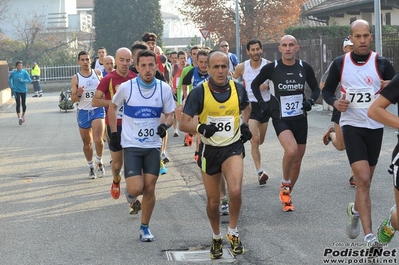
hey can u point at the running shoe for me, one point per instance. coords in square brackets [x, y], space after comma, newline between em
[236, 245]
[23, 118]
[385, 231]
[20, 121]
[135, 207]
[100, 170]
[224, 207]
[262, 178]
[92, 174]
[352, 181]
[40, 93]
[188, 140]
[285, 193]
[288, 207]
[35, 95]
[217, 248]
[371, 242]
[326, 136]
[164, 158]
[145, 234]
[353, 227]
[162, 169]
[116, 188]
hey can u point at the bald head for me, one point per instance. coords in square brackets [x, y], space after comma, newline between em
[288, 38]
[109, 63]
[217, 53]
[123, 60]
[360, 23]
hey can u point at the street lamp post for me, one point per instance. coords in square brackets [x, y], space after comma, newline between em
[238, 46]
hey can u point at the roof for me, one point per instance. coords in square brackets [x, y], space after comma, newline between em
[329, 7]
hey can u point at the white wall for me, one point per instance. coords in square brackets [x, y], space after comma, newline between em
[346, 19]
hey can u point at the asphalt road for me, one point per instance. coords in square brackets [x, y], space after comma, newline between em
[51, 213]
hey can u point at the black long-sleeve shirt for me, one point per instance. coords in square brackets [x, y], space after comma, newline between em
[287, 79]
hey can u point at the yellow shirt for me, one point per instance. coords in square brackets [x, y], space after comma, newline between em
[225, 115]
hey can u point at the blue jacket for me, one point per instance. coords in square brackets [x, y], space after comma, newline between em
[19, 85]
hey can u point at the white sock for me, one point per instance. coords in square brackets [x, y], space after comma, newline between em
[260, 171]
[99, 160]
[217, 236]
[90, 163]
[233, 231]
[368, 236]
[353, 210]
[286, 181]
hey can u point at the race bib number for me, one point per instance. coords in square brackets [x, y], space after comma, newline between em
[224, 124]
[145, 131]
[291, 105]
[120, 112]
[360, 98]
[89, 94]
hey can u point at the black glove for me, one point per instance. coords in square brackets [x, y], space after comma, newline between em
[307, 104]
[264, 106]
[207, 130]
[115, 141]
[161, 131]
[245, 132]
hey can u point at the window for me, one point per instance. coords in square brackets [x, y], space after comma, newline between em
[388, 18]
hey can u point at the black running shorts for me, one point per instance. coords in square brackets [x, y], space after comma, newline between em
[362, 143]
[141, 160]
[336, 115]
[211, 158]
[298, 127]
[257, 114]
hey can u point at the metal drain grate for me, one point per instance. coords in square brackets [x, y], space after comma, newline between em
[198, 256]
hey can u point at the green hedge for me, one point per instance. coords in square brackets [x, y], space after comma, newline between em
[308, 32]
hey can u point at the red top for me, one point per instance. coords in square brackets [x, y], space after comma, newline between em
[109, 84]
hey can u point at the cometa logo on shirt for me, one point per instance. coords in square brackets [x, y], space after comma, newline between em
[290, 87]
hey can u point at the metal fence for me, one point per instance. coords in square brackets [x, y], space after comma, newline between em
[56, 72]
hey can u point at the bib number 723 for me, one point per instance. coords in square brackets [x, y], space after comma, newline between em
[360, 97]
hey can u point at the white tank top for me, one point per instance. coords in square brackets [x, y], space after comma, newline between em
[249, 75]
[361, 84]
[99, 66]
[90, 84]
[142, 113]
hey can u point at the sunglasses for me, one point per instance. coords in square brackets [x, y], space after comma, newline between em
[223, 46]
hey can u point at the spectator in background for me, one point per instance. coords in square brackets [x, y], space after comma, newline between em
[18, 80]
[35, 76]
[233, 60]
